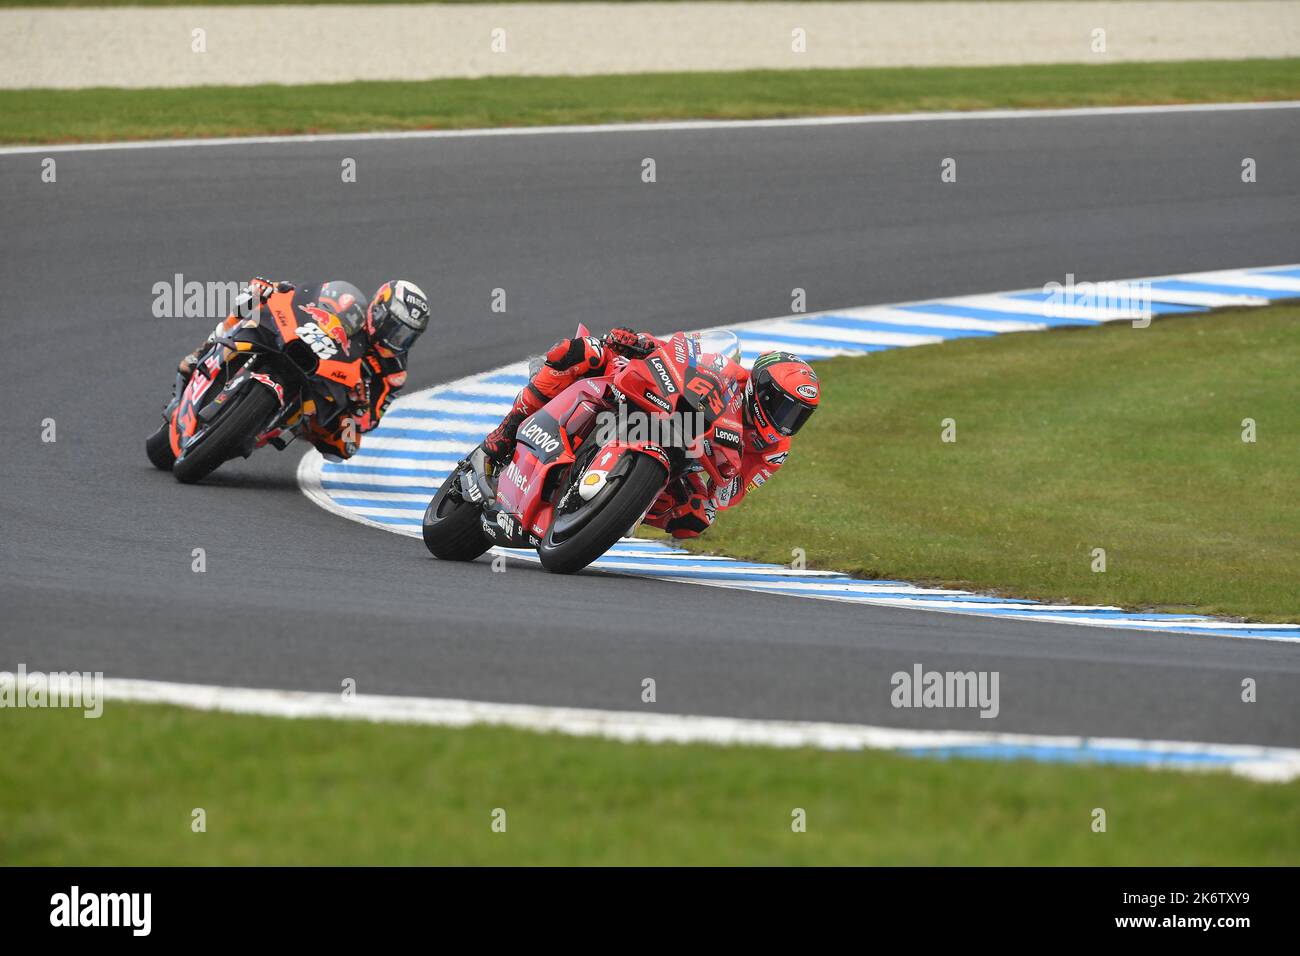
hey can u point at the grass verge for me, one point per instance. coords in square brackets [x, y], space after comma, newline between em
[1111, 437]
[121, 790]
[96, 115]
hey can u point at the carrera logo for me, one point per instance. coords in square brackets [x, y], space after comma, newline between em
[807, 391]
[540, 438]
[665, 379]
[657, 402]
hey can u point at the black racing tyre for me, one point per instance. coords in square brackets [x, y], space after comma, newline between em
[636, 492]
[158, 447]
[452, 530]
[226, 438]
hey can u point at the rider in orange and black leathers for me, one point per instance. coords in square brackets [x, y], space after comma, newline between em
[397, 314]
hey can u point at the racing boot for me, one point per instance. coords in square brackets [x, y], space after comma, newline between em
[566, 362]
[499, 446]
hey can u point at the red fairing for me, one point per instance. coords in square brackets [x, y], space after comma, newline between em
[673, 386]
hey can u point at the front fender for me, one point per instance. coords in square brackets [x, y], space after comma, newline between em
[270, 383]
[613, 461]
[241, 378]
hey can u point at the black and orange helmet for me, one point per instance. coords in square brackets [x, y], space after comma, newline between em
[781, 395]
[398, 315]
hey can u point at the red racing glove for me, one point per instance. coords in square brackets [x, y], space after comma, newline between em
[628, 342]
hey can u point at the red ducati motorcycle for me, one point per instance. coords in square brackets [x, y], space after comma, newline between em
[590, 463]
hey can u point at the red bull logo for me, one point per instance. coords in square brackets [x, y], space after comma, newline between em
[328, 323]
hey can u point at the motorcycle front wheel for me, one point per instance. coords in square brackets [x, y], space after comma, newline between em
[158, 447]
[225, 437]
[452, 531]
[616, 513]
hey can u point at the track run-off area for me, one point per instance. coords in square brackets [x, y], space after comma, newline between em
[402, 463]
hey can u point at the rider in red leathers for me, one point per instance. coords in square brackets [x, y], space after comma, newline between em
[781, 393]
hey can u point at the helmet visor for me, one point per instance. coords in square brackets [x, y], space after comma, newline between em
[395, 334]
[786, 413]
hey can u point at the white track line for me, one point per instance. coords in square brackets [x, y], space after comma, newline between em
[1267, 764]
[672, 568]
[665, 127]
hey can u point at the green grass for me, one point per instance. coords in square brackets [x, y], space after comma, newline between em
[39, 116]
[1108, 437]
[120, 791]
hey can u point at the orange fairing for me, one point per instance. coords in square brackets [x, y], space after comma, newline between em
[173, 434]
[281, 306]
[348, 373]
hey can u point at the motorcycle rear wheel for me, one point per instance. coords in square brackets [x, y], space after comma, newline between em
[635, 494]
[452, 530]
[226, 437]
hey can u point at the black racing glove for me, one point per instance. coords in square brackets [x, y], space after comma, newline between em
[263, 288]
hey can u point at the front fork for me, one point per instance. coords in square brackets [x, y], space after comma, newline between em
[178, 389]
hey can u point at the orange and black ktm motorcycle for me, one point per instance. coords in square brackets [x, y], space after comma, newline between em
[293, 359]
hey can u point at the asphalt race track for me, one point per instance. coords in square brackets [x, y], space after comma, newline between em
[95, 572]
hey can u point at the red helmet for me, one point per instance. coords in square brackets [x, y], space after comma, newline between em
[781, 395]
